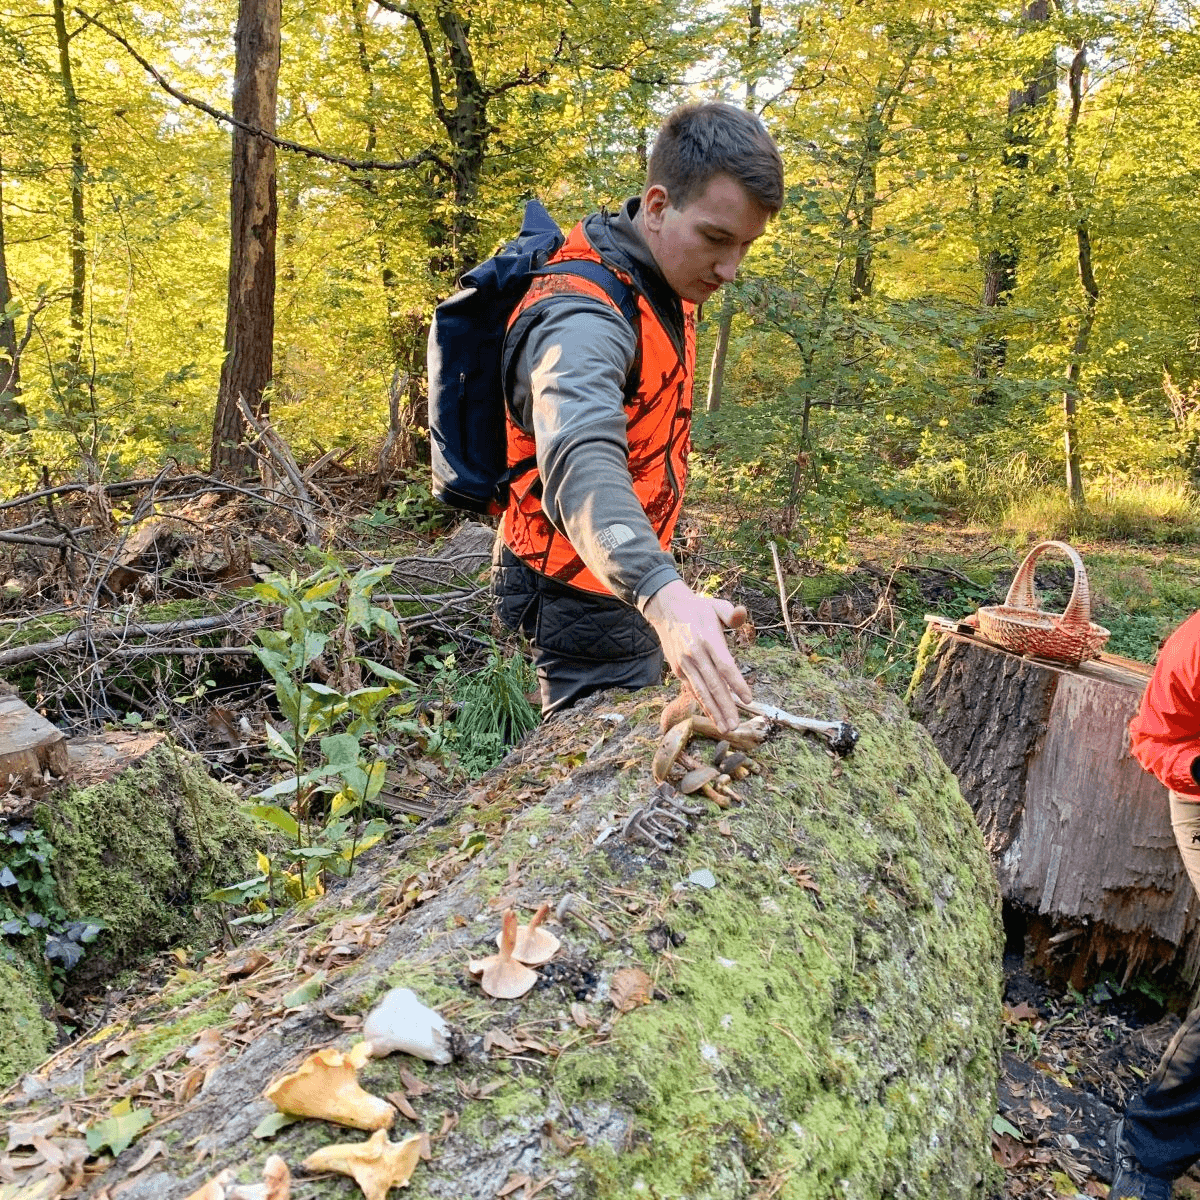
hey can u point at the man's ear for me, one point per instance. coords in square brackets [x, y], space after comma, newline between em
[655, 202]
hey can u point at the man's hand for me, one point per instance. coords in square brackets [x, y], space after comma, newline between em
[690, 628]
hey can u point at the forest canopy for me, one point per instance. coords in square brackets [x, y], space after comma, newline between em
[987, 246]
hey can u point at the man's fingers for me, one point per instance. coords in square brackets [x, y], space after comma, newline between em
[732, 616]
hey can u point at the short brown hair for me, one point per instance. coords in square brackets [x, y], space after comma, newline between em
[698, 141]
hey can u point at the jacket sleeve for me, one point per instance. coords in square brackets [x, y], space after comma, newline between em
[1165, 735]
[568, 388]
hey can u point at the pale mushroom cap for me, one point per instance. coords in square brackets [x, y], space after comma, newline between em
[401, 1022]
[535, 945]
[325, 1086]
[376, 1165]
[501, 975]
[214, 1189]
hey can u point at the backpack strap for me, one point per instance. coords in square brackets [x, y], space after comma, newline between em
[622, 294]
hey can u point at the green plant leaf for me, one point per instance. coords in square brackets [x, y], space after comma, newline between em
[118, 1129]
[1000, 1125]
[272, 1123]
[307, 992]
[385, 672]
[278, 744]
[341, 749]
[272, 814]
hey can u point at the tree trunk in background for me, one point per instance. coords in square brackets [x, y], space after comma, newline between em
[1000, 262]
[250, 314]
[716, 375]
[78, 175]
[12, 411]
[1091, 292]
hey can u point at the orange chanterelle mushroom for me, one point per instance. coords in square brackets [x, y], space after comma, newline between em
[325, 1085]
[377, 1165]
[534, 944]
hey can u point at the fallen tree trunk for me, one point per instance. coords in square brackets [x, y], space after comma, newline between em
[1079, 834]
[809, 1004]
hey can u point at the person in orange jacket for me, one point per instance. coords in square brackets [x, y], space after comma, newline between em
[1158, 1138]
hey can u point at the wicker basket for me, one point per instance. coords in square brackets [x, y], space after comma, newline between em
[1020, 626]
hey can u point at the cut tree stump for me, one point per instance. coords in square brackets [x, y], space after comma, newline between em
[800, 998]
[1079, 834]
[30, 747]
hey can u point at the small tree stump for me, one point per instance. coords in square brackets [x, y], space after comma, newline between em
[29, 745]
[1079, 834]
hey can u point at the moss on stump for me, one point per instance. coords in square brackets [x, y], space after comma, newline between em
[823, 1021]
[138, 848]
[25, 1034]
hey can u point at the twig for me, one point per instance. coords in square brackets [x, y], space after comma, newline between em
[783, 604]
[84, 637]
[278, 450]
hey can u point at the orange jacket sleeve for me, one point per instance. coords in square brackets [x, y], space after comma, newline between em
[1165, 734]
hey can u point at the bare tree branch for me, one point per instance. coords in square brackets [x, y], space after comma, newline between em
[353, 164]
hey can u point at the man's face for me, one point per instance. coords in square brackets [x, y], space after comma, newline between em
[699, 247]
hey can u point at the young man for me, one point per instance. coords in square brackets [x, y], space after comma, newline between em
[599, 420]
[1159, 1136]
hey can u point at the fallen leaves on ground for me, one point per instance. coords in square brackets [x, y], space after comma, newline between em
[630, 988]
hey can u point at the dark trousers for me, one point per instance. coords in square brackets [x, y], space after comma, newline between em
[1162, 1125]
[581, 643]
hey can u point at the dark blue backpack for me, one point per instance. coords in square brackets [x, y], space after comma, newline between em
[465, 362]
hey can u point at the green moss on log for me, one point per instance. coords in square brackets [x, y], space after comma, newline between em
[25, 1033]
[139, 852]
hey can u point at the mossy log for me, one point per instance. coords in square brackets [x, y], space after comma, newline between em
[1079, 834]
[823, 1020]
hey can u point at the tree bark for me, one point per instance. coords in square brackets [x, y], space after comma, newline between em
[1091, 294]
[1080, 836]
[12, 411]
[29, 745]
[250, 311]
[78, 177]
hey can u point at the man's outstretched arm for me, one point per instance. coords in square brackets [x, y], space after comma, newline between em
[691, 629]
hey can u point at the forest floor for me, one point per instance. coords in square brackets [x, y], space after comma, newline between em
[1071, 1059]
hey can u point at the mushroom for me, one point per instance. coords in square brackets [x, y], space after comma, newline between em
[670, 747]
[696, 778]
[534, 945]
[747, 736]
[401, 1022]
[683, 706]
[276, 1185]
[377, 1165]
[501, 975]
[325, 1085]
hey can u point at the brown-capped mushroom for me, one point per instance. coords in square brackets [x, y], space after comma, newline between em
[696, 778]
[670, 746]
[683, 706]
[500, 974]
[749, 735]
[534, 945]
[325, 1086]
[376, 1165]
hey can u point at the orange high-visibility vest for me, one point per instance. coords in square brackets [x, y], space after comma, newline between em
[658, 430]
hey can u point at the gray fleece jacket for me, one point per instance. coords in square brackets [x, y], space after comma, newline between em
[567, 388]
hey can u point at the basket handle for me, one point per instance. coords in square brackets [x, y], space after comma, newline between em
[1078, 613]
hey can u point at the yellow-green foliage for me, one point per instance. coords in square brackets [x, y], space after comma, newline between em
[139, 852]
